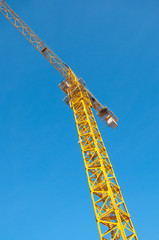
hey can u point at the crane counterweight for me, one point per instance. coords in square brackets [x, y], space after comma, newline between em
[104, 113]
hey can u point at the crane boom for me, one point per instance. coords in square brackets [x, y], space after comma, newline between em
[112, 217]
[60, 66]
[103, 112]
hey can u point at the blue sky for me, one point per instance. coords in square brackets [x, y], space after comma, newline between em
[113, 46]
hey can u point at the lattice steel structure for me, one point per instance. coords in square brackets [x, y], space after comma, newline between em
[113, 219]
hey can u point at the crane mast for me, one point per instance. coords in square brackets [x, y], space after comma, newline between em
[112, 217]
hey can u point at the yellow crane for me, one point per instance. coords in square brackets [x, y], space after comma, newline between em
[112, 217]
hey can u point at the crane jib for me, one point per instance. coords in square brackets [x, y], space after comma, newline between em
[109, 118]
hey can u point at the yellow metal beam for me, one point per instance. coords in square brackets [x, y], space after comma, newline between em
[113, 219]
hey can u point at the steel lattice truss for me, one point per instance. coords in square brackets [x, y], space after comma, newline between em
[60, 66]
[112, 216]
[113, 219]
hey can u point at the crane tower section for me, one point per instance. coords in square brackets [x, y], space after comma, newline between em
[112, 217]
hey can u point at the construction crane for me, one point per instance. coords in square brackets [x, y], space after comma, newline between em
[112, 217]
